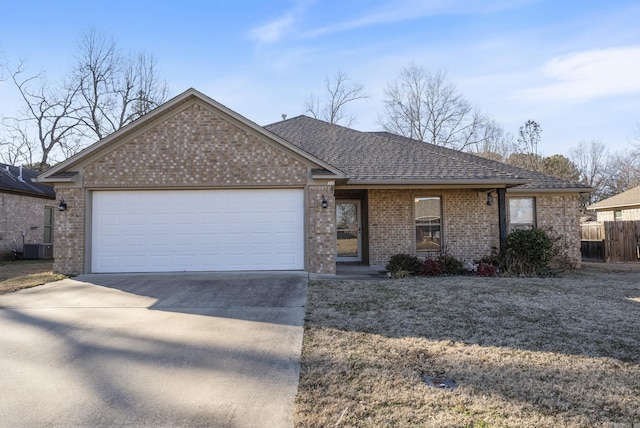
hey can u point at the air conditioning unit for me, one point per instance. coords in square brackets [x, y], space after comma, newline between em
[32, 251]
[37, 251]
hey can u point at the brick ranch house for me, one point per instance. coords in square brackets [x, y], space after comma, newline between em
[194, 186]
[624, 206]
[26, 209]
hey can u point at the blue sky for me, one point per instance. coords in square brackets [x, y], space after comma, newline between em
[572, 66]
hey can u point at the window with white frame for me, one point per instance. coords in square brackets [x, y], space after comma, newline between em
[428, 218]
[522, 213]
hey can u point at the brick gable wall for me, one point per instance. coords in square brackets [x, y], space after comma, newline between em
[195, 148]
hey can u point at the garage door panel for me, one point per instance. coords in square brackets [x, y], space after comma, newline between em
[135, 261]
[144, 231]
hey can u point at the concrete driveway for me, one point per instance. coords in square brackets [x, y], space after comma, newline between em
[188, 349]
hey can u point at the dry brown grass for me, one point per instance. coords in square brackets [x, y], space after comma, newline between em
[17, 275]
[525, 352]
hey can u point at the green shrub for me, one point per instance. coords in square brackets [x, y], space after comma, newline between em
[529, 252]
[401, 265]
[450, 265]
[8, 256]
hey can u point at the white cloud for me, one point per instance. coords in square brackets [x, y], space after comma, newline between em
[582, 76]
[398, 11]
[274, 30]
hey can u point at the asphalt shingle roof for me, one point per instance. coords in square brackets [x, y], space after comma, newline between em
[385, 157]
[625, 199]
[9, 181]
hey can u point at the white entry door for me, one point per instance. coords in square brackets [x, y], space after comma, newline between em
[197, 230]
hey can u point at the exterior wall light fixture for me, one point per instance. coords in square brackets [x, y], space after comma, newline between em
[62, 206]
[489, 198]
[325, 204]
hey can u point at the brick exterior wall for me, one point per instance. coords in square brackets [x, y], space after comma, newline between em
[194, 148]
[561, 213]
[321, 230]
[68, 233]
[628, 214]
[469, 226]
[18, 213]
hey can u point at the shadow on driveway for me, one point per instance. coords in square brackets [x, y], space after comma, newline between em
[214, 350]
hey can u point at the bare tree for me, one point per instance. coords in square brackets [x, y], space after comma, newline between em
[635, 140]
[494, 143]
[591, 158]
[422, 105]
[622, 173]
[50, 115]
[104, 91]
[526, 151]
[114, 89]
[16, 148]
[339, 93]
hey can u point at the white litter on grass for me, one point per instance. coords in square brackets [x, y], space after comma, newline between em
[439, 382]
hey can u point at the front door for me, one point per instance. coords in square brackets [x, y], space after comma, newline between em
[348, 227]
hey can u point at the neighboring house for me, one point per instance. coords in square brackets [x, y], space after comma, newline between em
[26, 208]
[194, 186]
[621, 207]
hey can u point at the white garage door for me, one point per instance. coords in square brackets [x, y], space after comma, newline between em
[197, 230]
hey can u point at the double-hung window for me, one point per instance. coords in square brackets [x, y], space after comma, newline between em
[522, 213]
[48, 225]
[428, 220]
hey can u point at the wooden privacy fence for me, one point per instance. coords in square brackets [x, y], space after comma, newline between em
[622, 241]
[611, 241]
[592, 242]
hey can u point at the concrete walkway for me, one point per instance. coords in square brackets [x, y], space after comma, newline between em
[351, 271]
[189, 349]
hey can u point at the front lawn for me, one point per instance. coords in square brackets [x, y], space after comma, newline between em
[526, 352]
[16, 275]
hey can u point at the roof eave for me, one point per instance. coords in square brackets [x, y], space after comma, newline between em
[613, 207]
[462, 183]
[64, 177]
[550, 190]
[26, 193]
